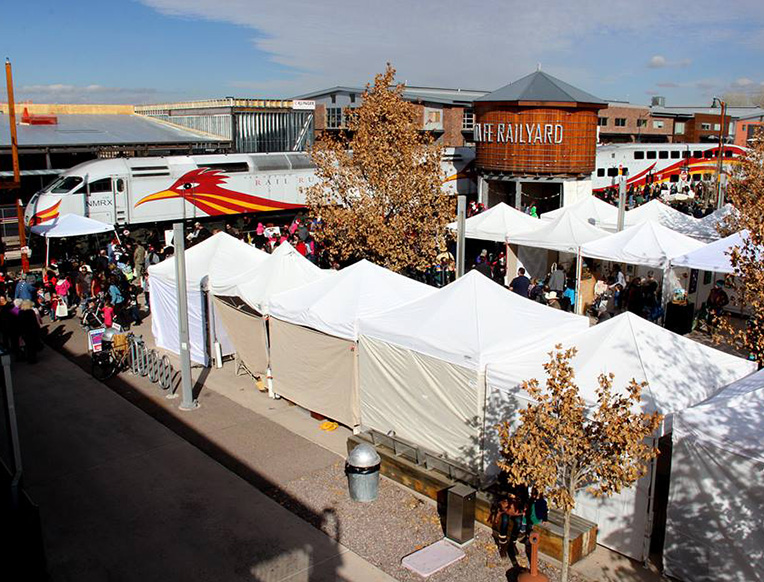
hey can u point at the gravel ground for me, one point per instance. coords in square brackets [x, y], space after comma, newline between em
[392, 527]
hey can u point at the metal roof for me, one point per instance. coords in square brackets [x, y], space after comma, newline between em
[540, 86]
[690, 111]
[96, 130]
[441, 95]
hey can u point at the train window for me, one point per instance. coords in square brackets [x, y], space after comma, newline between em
[707, 177]
[663, 154]
[600, 172]
[673, 178]
[612, 172]
[120, 185]
[227, 167]
[697, 154]
[686, 154]
[651, 155]
[675, 154]
[708, 154]
[102, 185]
[639, 155]
[696, 177]
[728, 153]
[63, 185]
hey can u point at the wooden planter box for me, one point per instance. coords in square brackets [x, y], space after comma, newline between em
[433, 484]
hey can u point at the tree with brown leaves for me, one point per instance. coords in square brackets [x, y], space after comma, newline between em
[746, 192]
[379, 195]
[560, 446]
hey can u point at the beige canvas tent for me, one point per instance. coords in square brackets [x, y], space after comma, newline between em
[313, 335]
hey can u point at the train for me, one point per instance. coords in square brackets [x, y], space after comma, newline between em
[153, 190]
[651, 163]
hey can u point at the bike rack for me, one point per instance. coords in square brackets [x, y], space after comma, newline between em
[149, 363]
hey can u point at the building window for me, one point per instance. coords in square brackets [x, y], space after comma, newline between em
[602, 121]
[638, 155]
[717, 126]
[352, 97]
[620, 122]
[334, 99]
[658, 124]
[468, 120]
[641, 122]
[679, 127]
[334, 118]
[705, 127]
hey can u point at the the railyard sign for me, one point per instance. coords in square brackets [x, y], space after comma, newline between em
[519, 133]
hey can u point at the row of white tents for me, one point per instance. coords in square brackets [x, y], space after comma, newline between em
[436, 368]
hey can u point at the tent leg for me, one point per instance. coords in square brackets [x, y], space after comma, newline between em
[650, 507]
[47, 252]
[579, 269]
[665, 293]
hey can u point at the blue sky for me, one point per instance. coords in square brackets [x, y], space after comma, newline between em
[146, 51]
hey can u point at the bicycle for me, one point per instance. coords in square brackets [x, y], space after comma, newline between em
[114, 356]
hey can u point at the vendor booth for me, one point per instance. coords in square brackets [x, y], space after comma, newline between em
[668, 217]
[679, 373]
[714, 257]
[244, 306]
[590, 209]
[216, 256]
[313, 334]
[422, 364]
[69, 226]
[715, 520]
[497, 223]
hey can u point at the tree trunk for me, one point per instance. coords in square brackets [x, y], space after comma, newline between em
[565, 546]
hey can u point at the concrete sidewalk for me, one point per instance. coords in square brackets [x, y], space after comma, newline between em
[122, 497]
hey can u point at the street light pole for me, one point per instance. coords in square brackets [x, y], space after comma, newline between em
[187, 396]
[720, 153]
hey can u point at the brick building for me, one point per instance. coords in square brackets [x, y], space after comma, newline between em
[624, 122]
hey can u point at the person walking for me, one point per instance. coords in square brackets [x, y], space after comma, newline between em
[139, 260]
[29, 331]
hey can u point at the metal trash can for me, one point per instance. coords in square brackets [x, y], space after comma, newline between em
[362, 469]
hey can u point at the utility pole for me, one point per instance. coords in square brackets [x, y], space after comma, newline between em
[16, 168]
[720, 153]
[461, 211]
[187, 396]
[621, 198]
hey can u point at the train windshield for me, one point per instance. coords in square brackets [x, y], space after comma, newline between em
[64, 184]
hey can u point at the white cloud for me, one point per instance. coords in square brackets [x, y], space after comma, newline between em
[742, 83]
[450, 43]
[660, 62]
[62, 92]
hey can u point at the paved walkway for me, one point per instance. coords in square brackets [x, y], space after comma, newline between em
[123, 497]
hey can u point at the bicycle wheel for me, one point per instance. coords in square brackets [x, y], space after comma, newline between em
[103, 366]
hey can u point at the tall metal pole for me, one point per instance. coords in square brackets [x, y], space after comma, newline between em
[187, 397]
[722, 131]
[15, 160]
[621, 200]
[461, 213]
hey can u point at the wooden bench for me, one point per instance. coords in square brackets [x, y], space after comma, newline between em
[433, 484]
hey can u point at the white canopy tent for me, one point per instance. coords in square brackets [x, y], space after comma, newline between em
[680, 373]
[246, 324]
[497, 223]
[314, 330]
[668, 217]
[422, 364]
[566, 233]
[69, 226]
[709, 223]
[715, 519]
[590, 209]
[219, 254]
[714, 256]
[648, 243]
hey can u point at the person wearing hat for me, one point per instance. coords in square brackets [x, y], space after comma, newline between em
[552, 300]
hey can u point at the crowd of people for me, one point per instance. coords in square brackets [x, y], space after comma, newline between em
[691, 198]
[514, 516]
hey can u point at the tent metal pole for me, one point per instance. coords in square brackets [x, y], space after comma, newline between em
[665, 291]
[461, 212]
[650, 505]
[579, 260]
[47, 251]
[621, 200]
[187, 395]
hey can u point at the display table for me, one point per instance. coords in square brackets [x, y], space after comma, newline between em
[679, 317]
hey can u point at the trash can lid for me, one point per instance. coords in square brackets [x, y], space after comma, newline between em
[363, 456]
